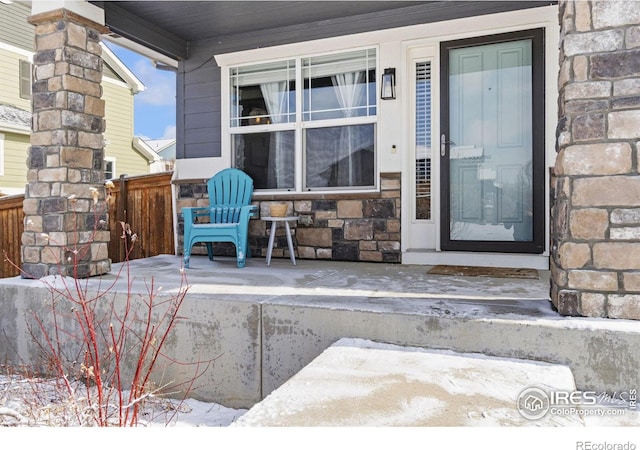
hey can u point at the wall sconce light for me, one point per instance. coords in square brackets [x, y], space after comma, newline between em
[388, 90]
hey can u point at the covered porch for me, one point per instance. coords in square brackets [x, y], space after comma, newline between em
[580, 137]
[263, 324]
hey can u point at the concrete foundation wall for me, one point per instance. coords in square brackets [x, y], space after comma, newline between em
[256, 345]
[216, 342]
[601, 359]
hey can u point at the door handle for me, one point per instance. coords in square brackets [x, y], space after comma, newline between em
[443, 144]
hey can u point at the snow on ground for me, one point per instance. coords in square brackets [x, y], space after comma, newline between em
[206, 424]
[170, 424]
[364, 383]
[37, 402]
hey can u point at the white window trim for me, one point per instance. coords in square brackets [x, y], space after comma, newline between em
[20, 51]
[111, 159]
[299, 188]
[29, 68]
[543, 17]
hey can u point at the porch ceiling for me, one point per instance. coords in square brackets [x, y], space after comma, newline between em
[169, 27]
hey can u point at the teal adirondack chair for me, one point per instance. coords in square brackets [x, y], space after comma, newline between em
[228, 214]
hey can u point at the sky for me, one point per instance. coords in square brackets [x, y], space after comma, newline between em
[155, 107]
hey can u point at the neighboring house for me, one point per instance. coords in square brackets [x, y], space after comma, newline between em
[119, 87]
[16, 56]
[163, 150]
[15, 128]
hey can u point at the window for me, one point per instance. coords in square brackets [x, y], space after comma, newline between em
[423, 140]
[315, 114]
[25, 79]
[263, 113]
[109, 168]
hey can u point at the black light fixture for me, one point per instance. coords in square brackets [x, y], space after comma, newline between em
[388, 90]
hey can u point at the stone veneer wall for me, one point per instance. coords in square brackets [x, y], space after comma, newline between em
[338, 227]
[595, 260]
[65, 210]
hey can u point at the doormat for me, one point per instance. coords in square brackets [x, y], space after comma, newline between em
[495, 272]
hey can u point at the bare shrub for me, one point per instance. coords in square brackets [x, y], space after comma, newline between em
[100, 350]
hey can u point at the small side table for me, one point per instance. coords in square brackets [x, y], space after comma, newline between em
[272, 236]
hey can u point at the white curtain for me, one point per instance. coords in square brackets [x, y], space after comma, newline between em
[350, 90]
[276, 97]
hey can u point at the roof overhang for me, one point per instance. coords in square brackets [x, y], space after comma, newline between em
[138, 34]
[166, 30]
[141, 146]
[15, 120]
[15, 129]
[122, 70]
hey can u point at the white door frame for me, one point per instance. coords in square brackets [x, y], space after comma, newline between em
[427, 251]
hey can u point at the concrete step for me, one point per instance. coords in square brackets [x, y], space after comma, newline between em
[359, 382]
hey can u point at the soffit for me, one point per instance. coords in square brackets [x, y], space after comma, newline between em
[170, 27]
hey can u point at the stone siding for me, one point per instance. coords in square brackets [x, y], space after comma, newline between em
[337, 227]
[65, 229]
[595, 192]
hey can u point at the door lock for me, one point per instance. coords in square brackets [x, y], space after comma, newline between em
[443, 145]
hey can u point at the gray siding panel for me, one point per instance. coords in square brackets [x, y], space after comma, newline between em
[202, 72]
[201, 109]
[202, 120]
[202, 135]
[194, 91]
[16, 30]
[211, 149]
[202, 105]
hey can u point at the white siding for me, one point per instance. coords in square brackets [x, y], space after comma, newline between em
[10, 79]
[14, 176]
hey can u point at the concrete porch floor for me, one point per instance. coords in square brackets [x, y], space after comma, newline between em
[349, 284]
[265, 323]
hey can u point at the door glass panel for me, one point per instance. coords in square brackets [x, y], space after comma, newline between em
[491, 148]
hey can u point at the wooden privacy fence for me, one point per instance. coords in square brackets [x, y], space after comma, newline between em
[11, 227]
[143, 202]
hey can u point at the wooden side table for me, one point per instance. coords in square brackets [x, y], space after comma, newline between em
[272, 235]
